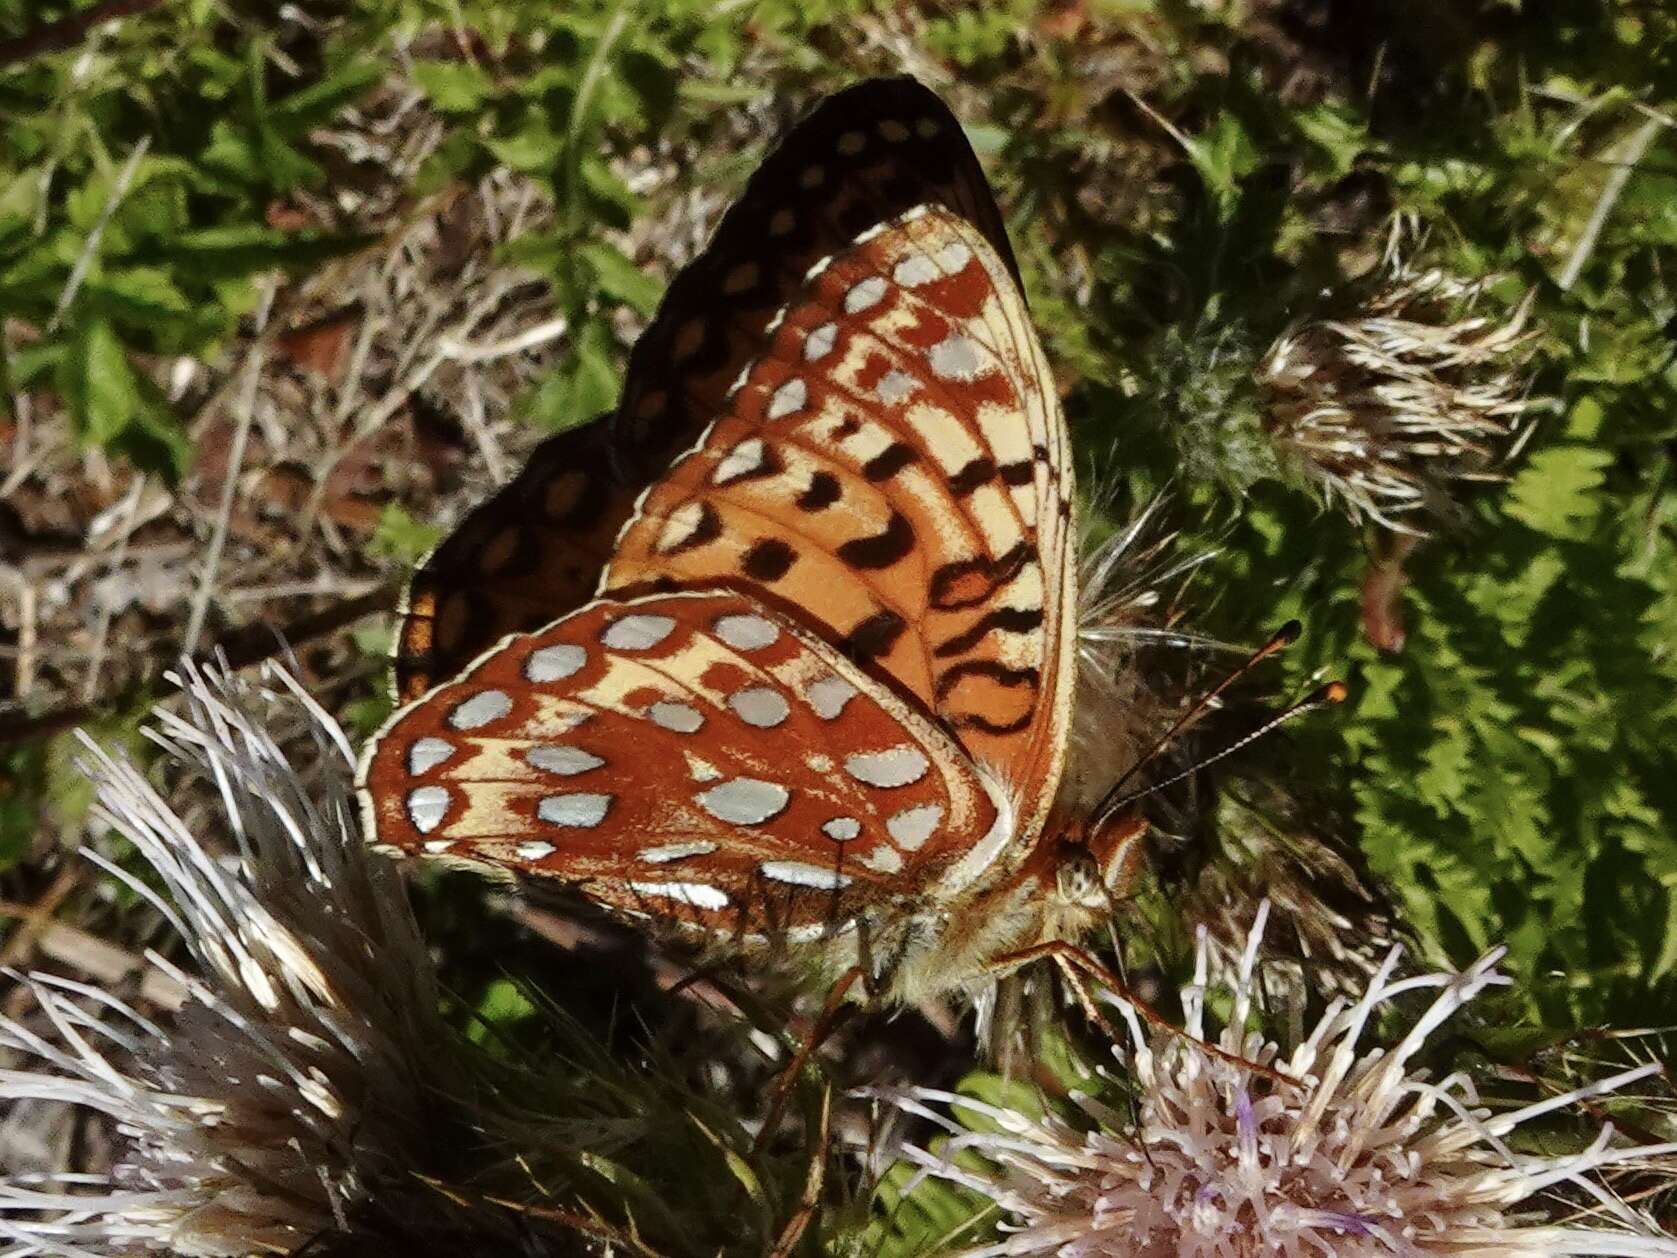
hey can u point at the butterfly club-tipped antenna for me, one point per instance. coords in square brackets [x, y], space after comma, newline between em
[1117, 798]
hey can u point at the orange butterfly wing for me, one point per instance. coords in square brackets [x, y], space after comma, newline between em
[693, 756]
[535, 549]
[883, 479]
[895, 470]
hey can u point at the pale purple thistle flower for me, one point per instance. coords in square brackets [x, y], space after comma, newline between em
[1359, 1159]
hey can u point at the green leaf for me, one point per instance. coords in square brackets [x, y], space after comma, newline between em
[99, 385]
[1585, 420]
[618, 277]
[503, 1003]
[1337, 133]
[533, 148]
[654, 82]
[321, 101]
[402, 537]
[609, 198]
[243, 249]
[140, 295]
[283, 165]
[1223, 154]
[155, 442]
[233, 153]
[1557, 492]
[454, 86]
[936, 1217]
[583, 385]
[461, 156]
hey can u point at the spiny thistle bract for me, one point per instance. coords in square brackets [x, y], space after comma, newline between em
[1277, 846]
[1407, 391]
[310, 1093]
[1130, 583]
[1358, 1153]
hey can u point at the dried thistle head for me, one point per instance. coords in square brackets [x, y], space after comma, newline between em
[1357, 1152]
[1406, 392]
[310, 1091]
[301, 1070]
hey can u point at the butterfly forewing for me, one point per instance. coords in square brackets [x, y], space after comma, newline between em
[695, 756]
[535, 550]
[894, 469]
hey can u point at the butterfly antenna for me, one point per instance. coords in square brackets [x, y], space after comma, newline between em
[1279, 641]
[1324, 696]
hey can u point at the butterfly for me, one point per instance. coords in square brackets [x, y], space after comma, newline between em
[781, 651]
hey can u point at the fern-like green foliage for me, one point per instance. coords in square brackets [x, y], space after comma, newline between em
[1513, 765]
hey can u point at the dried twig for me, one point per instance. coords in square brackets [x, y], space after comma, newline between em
[90, 247]
[102, 631]
[243, 647]
[38, 916]
[229, 487]
[28, 622]
[100, 959]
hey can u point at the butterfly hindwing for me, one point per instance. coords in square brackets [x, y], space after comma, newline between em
[534, 550]
[528, 554]
[696, 756]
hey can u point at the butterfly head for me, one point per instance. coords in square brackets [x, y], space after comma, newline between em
[1092, 868]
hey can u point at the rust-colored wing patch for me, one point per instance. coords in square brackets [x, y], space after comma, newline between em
[895, 470]
[694, 756]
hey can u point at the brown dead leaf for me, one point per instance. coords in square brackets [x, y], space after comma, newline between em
[286, 486]
[286, 217]
[323, 345]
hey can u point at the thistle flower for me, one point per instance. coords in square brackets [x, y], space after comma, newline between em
[1358, 1153]
[301, 1070]
[1281, 849]
[1410, 391]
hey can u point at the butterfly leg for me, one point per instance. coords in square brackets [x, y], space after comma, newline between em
[824, 1025]
[1069, 957]
[1074, 980]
